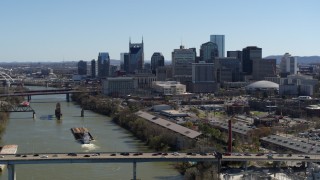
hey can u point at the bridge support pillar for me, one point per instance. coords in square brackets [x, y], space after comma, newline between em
[11, 172]
[68, 97]
[134, 170]
[82, 112]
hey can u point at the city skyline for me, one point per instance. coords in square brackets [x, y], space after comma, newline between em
[69, 31]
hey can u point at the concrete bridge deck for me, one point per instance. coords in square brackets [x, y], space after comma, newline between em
[107, 157]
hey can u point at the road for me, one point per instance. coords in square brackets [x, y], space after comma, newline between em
[107, 157]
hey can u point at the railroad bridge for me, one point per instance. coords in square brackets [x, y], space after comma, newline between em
[28, 94]
[7, 107]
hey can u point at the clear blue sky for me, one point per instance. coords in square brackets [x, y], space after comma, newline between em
[72, 30]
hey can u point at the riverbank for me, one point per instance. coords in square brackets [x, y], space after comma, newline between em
[4, 116]
[44, 134]
[155, 137]
[3, 122]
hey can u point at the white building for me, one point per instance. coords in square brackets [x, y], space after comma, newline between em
[169, 87]
[288, 64]
[298, 85]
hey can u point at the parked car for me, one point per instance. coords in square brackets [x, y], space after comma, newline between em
[72, 154]
[44, 156]
[176, 154]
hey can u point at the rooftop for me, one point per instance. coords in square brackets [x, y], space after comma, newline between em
[169, 125]
[293, 144]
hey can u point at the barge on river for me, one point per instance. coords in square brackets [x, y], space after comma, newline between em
[82, 135]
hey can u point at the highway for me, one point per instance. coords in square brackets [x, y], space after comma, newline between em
[107, 157]
[57, 158]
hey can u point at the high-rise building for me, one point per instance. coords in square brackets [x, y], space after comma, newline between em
[82, 67]
[248, 55]
[182, 60]
[147, 67]
[136, 57]
[113, 70]
[93, 68]
[263, 68]
[164, 73]
[103, 64]
[219, 40]
[235, 54]
[288, 65]
[208, 51]
[227, 69]
[203, 79]
[202, 72]
[157, 60]
[124, 62]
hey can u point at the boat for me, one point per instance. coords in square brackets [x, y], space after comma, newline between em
[82, 135]
[86, 138]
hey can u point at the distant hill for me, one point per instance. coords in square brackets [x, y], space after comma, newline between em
[301, 59]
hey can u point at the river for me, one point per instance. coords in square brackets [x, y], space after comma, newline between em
[45, 134]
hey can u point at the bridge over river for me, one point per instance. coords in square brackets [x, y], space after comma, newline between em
[67, 92]
[112, 157]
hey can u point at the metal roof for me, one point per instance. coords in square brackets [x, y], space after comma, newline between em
[293, 144]
[169, 125]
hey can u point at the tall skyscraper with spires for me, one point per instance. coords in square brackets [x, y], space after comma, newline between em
[136, 56]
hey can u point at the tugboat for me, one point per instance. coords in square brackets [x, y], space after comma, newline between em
[86, 138]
